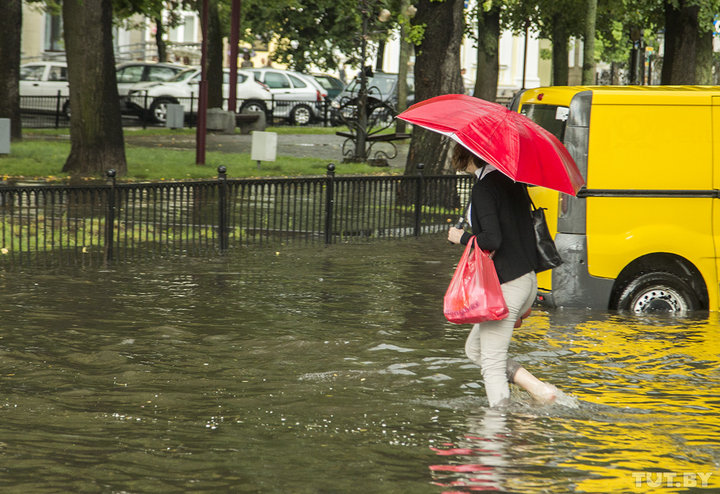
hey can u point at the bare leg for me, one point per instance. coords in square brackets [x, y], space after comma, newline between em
[540, 391]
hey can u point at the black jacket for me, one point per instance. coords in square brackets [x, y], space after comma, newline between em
[501, 222]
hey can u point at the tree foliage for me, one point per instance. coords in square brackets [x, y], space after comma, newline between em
[324, 33]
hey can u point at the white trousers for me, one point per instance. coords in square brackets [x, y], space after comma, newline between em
[488, 342]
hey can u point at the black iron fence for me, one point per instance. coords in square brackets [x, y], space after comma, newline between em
[117, 221]
[146, 111]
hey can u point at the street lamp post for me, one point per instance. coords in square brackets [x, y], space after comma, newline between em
[361, 132]
[360, 151]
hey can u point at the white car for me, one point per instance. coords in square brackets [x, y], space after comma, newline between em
[130, 73]
[47, 84]
[298, 97]
[185, 88]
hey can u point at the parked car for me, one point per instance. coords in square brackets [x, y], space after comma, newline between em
[47, 78]
[131, 73]
[298, 97]
[331, 84]
[184, 89]
[44, 79]
[382, 98]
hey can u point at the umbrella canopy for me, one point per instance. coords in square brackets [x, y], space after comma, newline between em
[514, 144]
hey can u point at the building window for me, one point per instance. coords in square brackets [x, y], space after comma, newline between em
[54, 33]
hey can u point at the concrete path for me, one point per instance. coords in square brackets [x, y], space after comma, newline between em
[323, 146]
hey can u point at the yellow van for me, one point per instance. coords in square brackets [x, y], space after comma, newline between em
[644, 233]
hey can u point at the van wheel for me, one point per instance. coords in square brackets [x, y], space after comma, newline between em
[658, 291]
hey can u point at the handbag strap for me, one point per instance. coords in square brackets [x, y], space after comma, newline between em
[532, 204]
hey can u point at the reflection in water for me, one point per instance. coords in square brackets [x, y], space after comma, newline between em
[311, 370]
[643, 411]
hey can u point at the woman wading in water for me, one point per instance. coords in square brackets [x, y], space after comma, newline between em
[499, 215]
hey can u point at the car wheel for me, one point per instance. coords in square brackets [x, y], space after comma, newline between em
[253, 106]
[66, 110]
[301, 115]
[158, 109]
[658, 291]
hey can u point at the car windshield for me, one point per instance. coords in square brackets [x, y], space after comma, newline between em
[382, 84]
[32, 72]
[552, 118]
[182, 76]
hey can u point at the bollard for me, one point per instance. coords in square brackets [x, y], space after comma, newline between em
[110, 217]
[419, 188]
[57, 109]
[222, 207]
[329, 202]
[5, 135]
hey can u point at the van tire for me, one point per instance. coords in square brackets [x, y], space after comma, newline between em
[658, 291]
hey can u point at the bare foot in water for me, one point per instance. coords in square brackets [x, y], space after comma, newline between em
[540, 391]
[546, 395]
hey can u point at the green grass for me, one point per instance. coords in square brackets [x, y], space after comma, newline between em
[44, 159]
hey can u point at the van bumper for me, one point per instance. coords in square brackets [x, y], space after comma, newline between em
[572, 285]
[545, 298]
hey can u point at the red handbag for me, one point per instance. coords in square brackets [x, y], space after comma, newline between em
[474, 294]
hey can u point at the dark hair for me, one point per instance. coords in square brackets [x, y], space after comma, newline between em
[462, 157]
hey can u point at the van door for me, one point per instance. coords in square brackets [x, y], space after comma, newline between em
[716, 186]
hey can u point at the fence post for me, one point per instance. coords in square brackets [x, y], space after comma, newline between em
[57, 110]
[329, 202]
[110, 217]
[192, 103]
[146, 111]
[419, 188]
[222, 207]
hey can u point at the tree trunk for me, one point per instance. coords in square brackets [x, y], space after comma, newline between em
[588, 74]
[10, 25]
[704, 60]
[560, 67]
[488, 57]
[96, 134]
[688, 52]
[437, 71]
[215, 57]
[404, 59]
[159, 41]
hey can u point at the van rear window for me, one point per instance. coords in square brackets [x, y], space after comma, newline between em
[550, 117]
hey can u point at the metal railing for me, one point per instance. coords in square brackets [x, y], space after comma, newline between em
[145, 111]
[118, 221]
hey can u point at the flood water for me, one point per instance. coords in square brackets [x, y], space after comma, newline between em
[300, 369]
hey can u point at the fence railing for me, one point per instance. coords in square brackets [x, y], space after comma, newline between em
[117, 221]
[143, 110]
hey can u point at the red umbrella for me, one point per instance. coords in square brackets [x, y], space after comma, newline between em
[511, 142]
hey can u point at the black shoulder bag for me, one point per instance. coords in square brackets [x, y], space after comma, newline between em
[547, 254]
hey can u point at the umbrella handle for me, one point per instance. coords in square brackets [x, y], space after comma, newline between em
[460, 223]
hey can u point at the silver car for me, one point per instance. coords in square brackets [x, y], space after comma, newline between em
[298, 97]
[184, 89]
